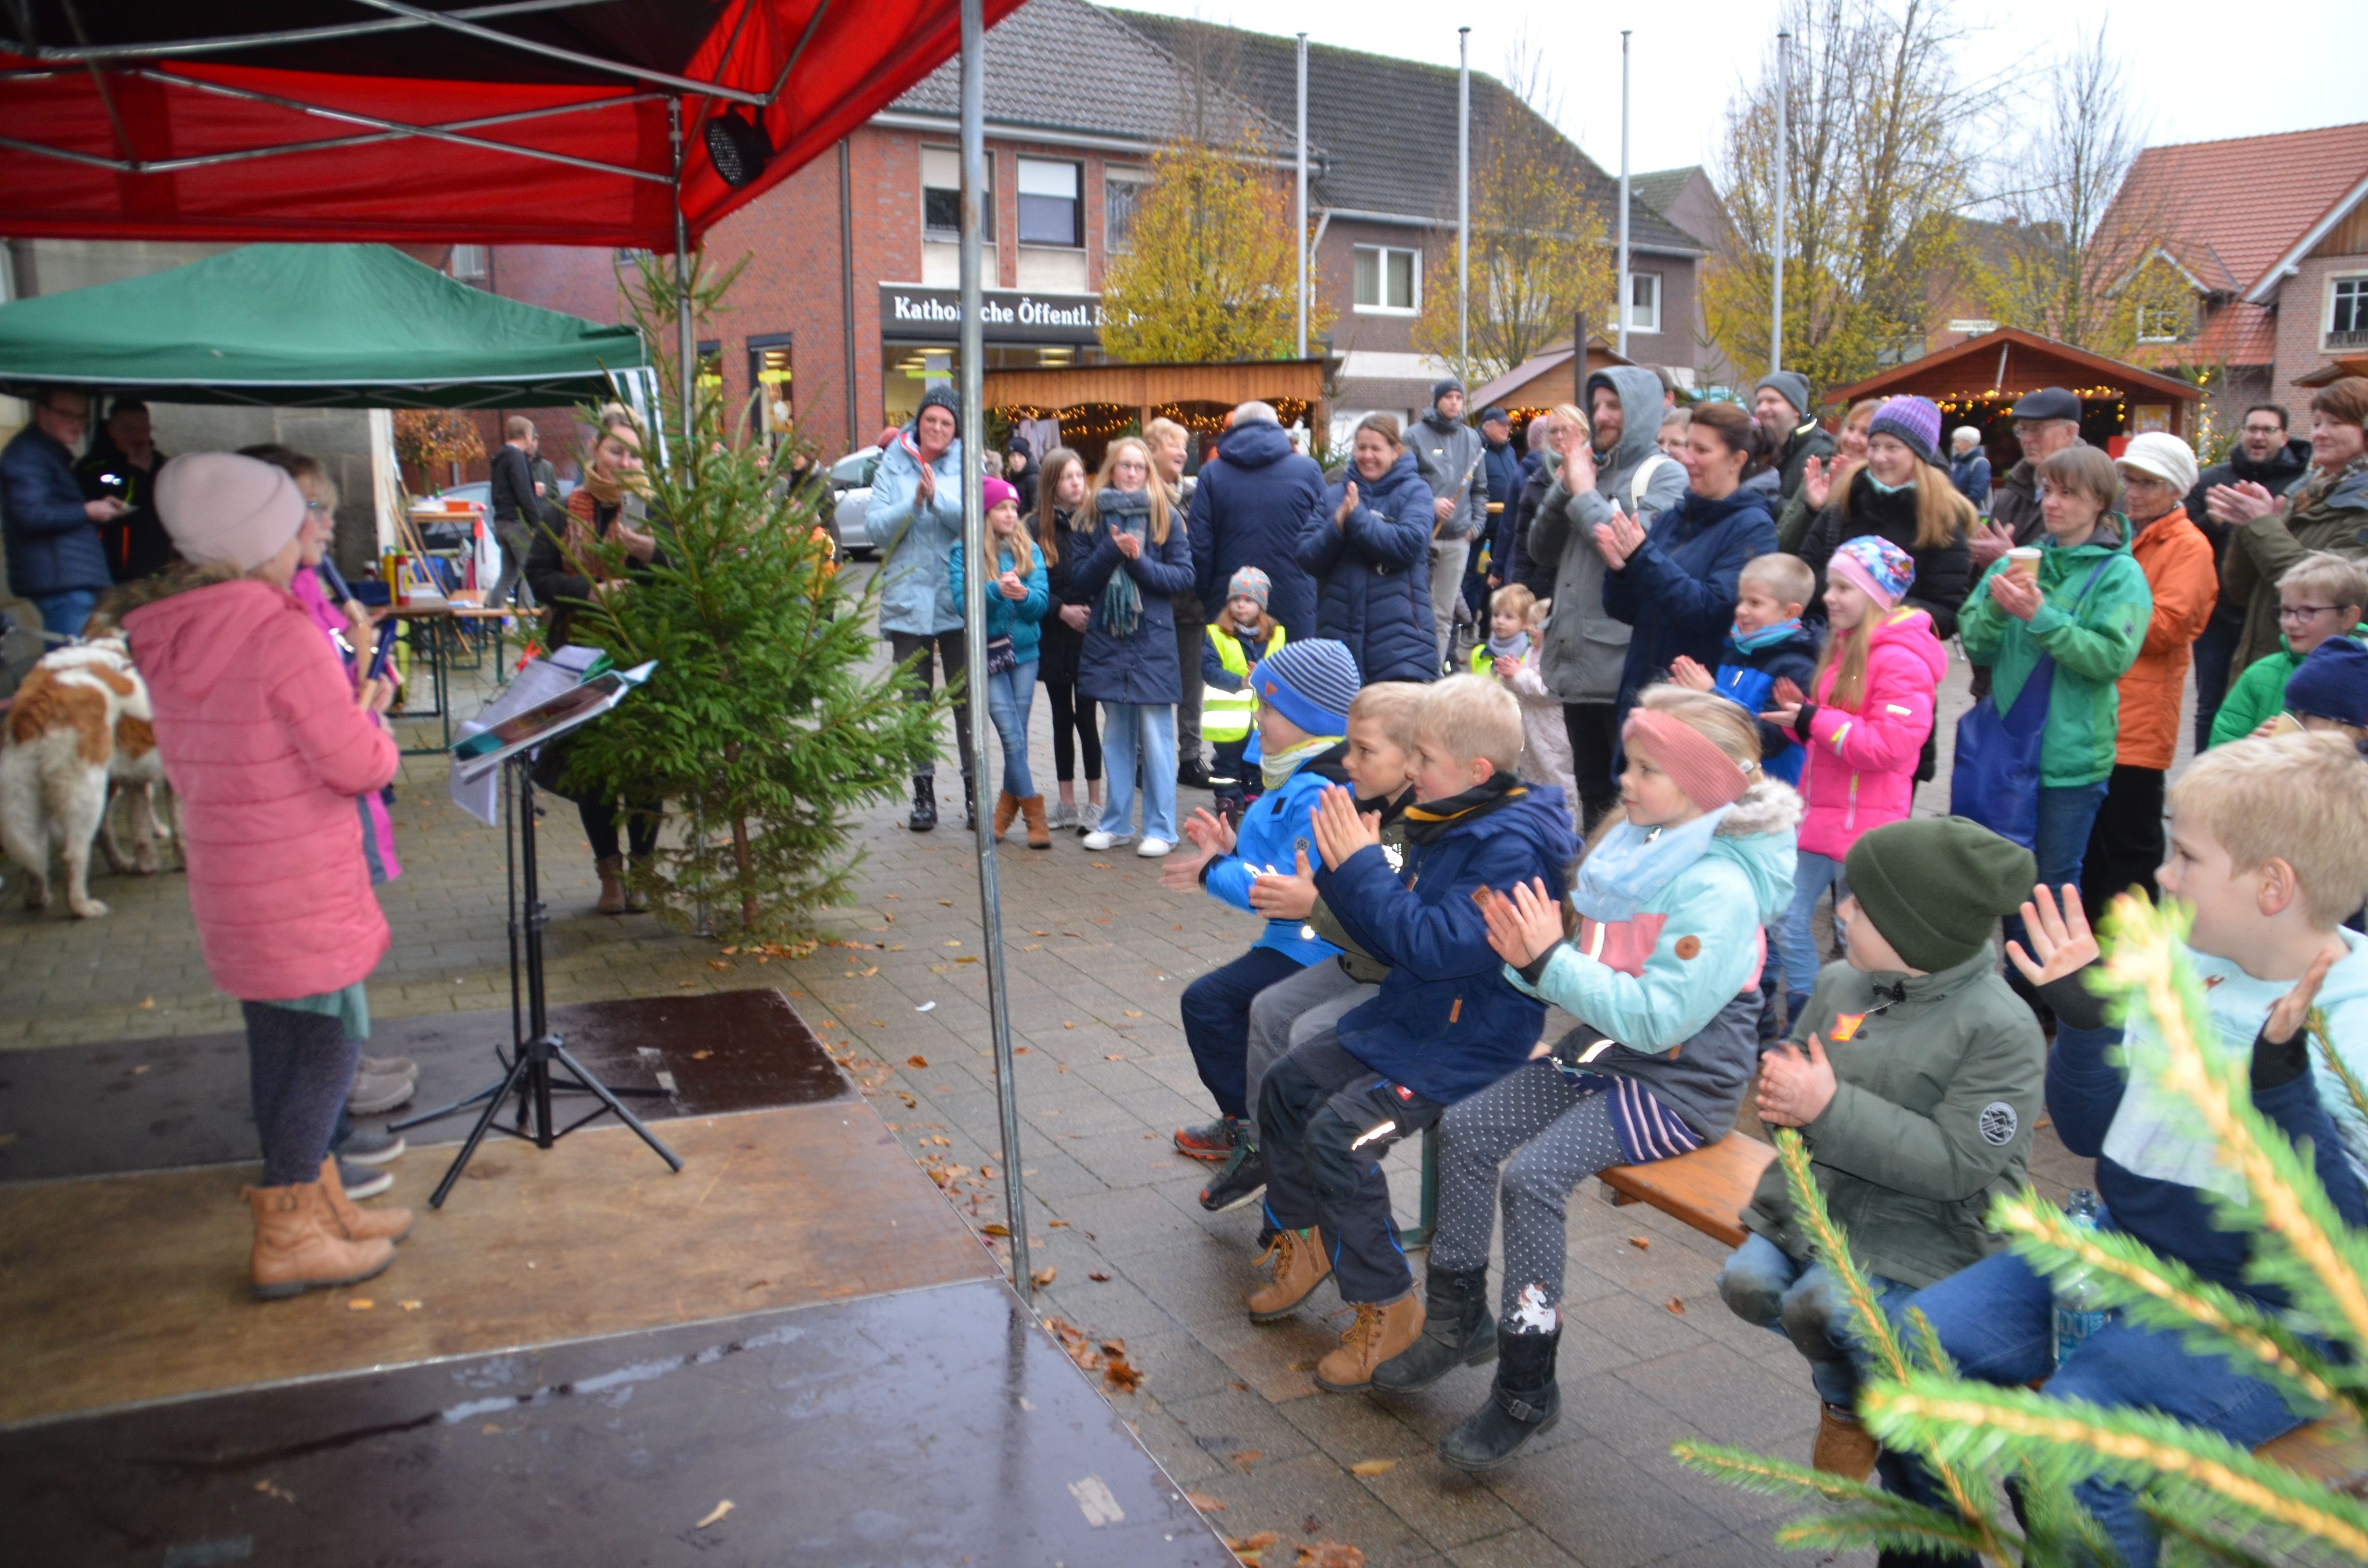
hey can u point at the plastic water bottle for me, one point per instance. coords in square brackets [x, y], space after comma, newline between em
[2079, 1302]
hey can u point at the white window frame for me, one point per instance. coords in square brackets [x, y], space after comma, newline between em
[1636, 326]
[2357, 335]
[1076, 199]
[1381, 278]
[945, 237]
[473, 264]
[1135, 181]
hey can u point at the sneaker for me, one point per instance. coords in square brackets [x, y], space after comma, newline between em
[1241, 1182]
[371, 1146]
[374, 1097]
[1098, 839]
[1087, 816]
[1194, 775]
[360, 1181]
[1153, 848]
[1060, 814]
[1212, 1140]
[388, 1067]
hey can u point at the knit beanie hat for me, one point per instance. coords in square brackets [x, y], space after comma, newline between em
[995, 492]
[1310, 683]
[1915, 420]
[2163, 455]
[2332, 682]
[941, 394]
[218, 507]
[1876, 567]
[1936, 886]
[1791, 386]
[1249, 583]
[1441, 387]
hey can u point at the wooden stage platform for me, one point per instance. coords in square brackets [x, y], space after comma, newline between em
[579, 1359]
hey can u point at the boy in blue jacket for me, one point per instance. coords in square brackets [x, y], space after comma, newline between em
[1444, 1024]
[1304, 690]
[2268, 849]
[1768, 644]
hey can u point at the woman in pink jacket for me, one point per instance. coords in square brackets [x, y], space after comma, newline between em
[267, 745]
[1869, 708]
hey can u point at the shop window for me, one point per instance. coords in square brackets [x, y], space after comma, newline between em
[941, 197]
[768, 376]
[1052, 210]
[1388, 279]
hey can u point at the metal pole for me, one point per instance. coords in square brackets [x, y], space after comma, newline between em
[847, 280]
[974, 577]
[1776, 292]
[1299, 246]
[1463, 200]
[1627, 288]
[688, 365]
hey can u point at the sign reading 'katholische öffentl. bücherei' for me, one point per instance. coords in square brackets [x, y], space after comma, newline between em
[1006, 315]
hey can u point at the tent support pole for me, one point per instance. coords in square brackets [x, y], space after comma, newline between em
[975, 579]
[688, 365]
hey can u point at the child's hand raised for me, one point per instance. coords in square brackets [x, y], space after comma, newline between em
[1795, 1089]
[1685, 672]
[2062, 940]
[1211, 837]
[1339, 831]
[1279, 897]
[2293, 1009]
[1521, 929]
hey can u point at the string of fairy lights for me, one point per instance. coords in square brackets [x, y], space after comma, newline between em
[1102, 421]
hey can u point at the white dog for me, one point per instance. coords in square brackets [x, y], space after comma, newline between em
[80, 719]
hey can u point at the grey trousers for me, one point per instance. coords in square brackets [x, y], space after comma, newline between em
[1287, 1012]
[1191, 635]
[1448, 558]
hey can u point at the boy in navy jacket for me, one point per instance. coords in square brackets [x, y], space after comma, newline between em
[1768, 644]
[1443, 1025]
[1304, 690]
[2268, 848]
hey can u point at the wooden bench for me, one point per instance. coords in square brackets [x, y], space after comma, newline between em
[1710, 1189]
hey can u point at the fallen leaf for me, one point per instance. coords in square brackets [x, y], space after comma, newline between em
[690, 984]
[910, 1103]
[1676, 1306]
[1047, 933]
[947, 901]
[1302, 1366]
[1042, 1277]
[1122, 1375]
[995, 1230]
[873, 970]
[1329, 1555]
[1073, 932]
[1068, 1023]
[1205, 1503]
[717, 963]
[966, 958]
[1099, 864]
[1057, 1224]
[413, 1306]
[1131, 1013]
[147, 1003]
[1258, 1542]
[1018, 1050]
[1373, 1467]
[360, 1304]
[700, 1055]
[916, 1061]
[951, 942]
[1097, 1277]
[724, 1507]
[269, 1490]
[1642, 1244]
[1114, 1056]
[1246, 1457]
[1030, 947]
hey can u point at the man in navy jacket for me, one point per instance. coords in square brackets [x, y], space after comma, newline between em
[1248, 510]
[55, 555]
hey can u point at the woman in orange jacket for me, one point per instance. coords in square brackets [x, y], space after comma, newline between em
[2126, 844]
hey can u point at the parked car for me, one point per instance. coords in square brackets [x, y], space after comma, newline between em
[479, 493]
[851, 497]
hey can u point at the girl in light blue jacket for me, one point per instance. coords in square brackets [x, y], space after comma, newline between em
[1017, 599]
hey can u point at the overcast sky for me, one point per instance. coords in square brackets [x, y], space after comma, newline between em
[2201, 70]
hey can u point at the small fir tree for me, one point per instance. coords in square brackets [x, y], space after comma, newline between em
[761, 723]
[2213, 1501]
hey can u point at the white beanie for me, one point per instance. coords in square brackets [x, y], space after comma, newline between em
[218, 507]
[2164, 456]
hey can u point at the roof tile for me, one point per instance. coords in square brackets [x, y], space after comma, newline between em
[2230, 209]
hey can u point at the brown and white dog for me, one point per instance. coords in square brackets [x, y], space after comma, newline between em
[81, 722]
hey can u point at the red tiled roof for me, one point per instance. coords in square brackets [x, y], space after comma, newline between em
[2238, 333]
[2229, 210]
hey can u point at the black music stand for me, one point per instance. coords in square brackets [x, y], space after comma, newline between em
[535, 1051]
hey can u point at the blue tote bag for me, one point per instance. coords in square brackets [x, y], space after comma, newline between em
[1994, 778]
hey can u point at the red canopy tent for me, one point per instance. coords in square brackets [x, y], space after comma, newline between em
[529, 121]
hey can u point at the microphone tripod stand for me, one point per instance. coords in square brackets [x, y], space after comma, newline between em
[539, 1065]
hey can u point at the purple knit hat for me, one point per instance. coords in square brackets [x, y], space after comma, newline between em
[1915, 420]
[1876, 567]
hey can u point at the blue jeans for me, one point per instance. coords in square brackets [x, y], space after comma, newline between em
[62, 614]
[1009, 697]
[1216, 1013]
[1763, 1284]
[2215, 651]
[1147, 728]
[1996, 1321]
[2061, 843]
[1796, 941]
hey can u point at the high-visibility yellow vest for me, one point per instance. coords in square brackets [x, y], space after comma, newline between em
[1225, 715]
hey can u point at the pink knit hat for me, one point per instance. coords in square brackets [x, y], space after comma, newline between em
[994, 493]
[1708, 775]
[1876, 567]
[218, 507]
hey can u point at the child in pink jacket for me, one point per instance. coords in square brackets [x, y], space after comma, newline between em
[1864, 724]
[267, 745]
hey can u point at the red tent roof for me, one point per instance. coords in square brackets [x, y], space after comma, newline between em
[531, 120]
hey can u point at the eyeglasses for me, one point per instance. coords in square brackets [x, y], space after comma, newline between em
[318, 509]
[2265, 429]
[2304, 612]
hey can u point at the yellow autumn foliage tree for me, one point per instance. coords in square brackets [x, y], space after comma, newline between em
[1209, 274]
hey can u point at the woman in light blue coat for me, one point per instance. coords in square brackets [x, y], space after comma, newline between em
[915, 516]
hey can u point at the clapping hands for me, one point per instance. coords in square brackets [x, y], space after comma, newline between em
[1279, 897]
[1524, 927]
[1210, 835]
[1339, 831]
[1685, 672]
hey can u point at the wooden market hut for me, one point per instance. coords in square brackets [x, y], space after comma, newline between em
[1098, 402]
[1544, 380]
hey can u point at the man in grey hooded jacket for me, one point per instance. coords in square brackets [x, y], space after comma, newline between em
[1448, 454]
[1585, 647]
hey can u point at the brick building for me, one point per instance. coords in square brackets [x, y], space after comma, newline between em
[849, 301]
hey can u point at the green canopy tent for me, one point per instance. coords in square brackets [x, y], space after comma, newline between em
[318, 326]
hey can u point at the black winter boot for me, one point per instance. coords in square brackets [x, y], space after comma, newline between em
[1456, 1332]
[1524, 1402]
[970, 801]
[924, 803]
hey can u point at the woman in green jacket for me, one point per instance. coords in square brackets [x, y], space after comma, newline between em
[2088, 607]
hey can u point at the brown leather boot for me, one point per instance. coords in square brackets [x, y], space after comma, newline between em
[612, 884]
[1844, 1446]
[1380, 1332]
[295, 1250]
[1299, 1265]
[1007, 806]
[1040, 837]
[350, 1219]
